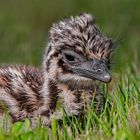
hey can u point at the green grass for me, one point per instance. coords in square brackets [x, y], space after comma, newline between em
[23, 31]
[120, 118]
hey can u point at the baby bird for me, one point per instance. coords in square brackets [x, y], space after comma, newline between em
[77, 55]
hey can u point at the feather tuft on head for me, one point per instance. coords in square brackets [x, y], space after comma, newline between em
[80, 33]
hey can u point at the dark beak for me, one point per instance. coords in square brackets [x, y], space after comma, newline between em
[93, 69]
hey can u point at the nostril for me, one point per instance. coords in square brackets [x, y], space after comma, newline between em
[99, 71]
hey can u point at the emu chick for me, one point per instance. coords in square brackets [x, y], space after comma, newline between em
[77, 56]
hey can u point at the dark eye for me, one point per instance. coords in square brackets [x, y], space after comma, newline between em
[70, 57]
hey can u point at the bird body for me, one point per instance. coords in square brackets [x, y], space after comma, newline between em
[77, 56]
[21, 92]
[20, 88]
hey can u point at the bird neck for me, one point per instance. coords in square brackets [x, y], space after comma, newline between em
[52, 90]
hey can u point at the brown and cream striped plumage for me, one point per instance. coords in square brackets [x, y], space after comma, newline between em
[75, 48]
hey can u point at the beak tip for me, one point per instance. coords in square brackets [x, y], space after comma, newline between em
[107, 78]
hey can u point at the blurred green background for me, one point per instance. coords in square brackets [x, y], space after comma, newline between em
[24, 26]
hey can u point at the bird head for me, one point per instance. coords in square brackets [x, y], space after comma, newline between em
[78, 52]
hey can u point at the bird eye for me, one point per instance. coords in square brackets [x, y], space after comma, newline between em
[70, 57]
